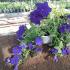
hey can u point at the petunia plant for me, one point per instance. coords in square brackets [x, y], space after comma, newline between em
[43, 23]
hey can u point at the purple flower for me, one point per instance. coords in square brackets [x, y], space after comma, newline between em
[20, 32]
[44, 9]
[39, 41]
[55, 58]
[14, 60]
[40, 13]
[64, 51]
[35, 17]
[38, 49]
[53, 51]
[68, 51]
[64, 28]
[17, 50]
[30, 45]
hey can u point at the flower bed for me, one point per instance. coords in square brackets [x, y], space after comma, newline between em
[45, 22]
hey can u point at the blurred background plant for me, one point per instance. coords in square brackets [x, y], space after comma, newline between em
[10, 6]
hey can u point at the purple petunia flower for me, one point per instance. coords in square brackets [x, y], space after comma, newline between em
[40, 13]
[53, 51]
[14, 60]
[64, 28]
[55, 59]
[68, 51]
[17, 50]
[39, 41]
[64, 51]
[38, 49]
[30, 45]
[43, 8]
[20, 32]
[35, 17]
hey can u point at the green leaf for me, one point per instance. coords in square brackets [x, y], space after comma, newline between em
[25, 53]
[61, 44]
[60, 47]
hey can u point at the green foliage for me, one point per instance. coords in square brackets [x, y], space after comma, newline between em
[32, 33]
[25, 53]
[51, 24]
[66, 37]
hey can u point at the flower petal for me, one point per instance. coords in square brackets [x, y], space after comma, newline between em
[55, 58]
[17, 50]
[20, 32]
[39, 41]
[14, 60]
